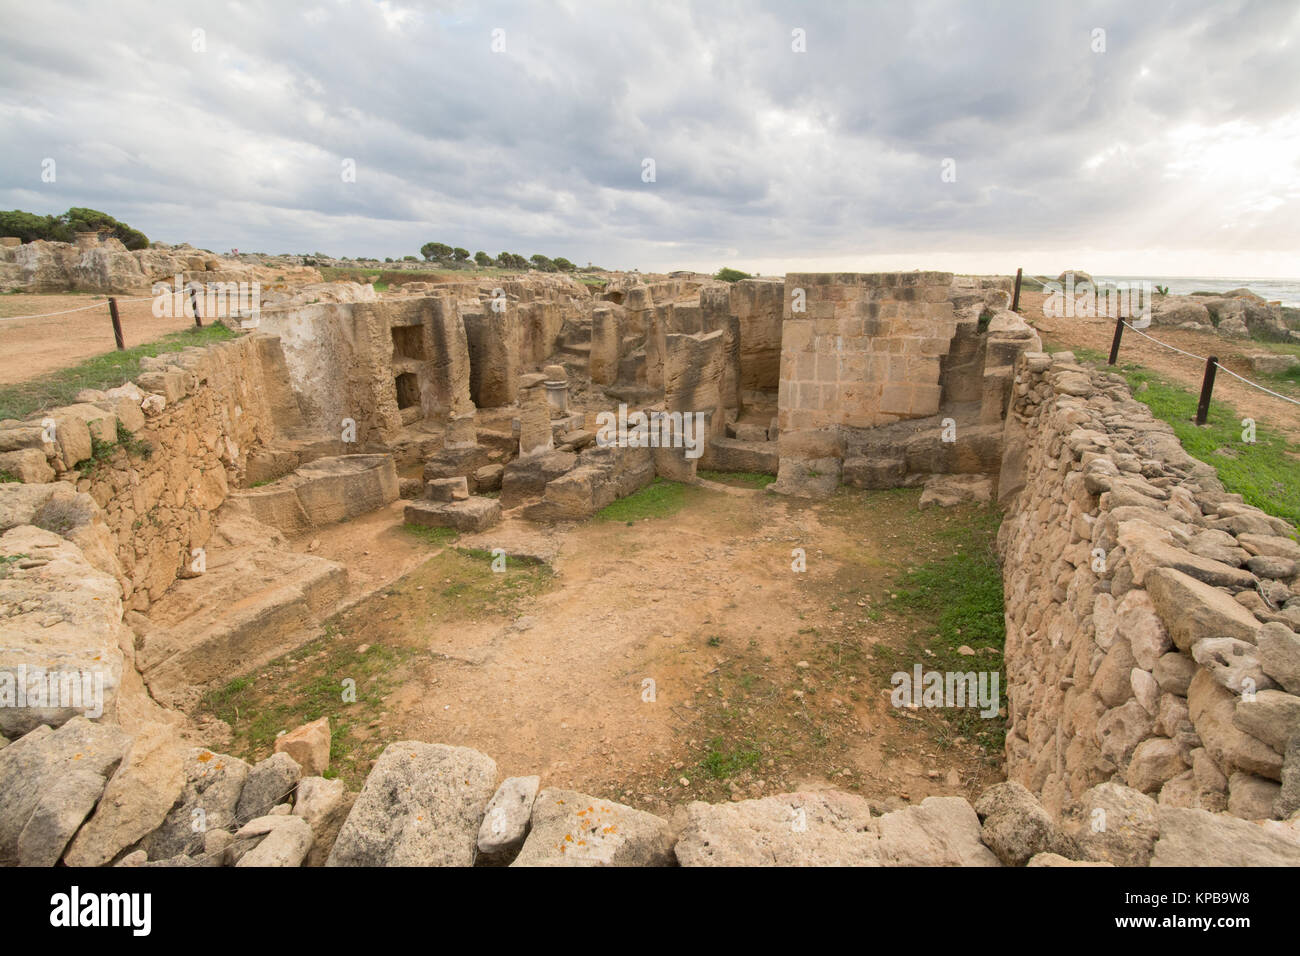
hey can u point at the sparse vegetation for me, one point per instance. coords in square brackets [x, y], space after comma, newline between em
[958, 595]
[741, 479]
[1263, 473]
[101, 372]
[659, 499]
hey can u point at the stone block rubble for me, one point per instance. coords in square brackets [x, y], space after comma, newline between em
[435, 805]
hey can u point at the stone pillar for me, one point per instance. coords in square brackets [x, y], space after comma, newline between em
[637, 304]
[534, 418]
[557, 390]
[605, 342]
[658, 319]
[449, 364]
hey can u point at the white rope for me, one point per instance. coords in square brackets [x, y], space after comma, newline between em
[1260, 387]
[93, 305]
[1217, 364]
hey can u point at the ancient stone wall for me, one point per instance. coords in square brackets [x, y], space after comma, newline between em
[1151, 616]
[235, 399]
[758, 304]
[192, 420]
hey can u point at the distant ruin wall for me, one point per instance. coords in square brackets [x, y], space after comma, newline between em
[864, 351]
[1149, 637]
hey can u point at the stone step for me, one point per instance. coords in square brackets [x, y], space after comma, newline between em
[732, 454]
[248, 607]
[471, 514]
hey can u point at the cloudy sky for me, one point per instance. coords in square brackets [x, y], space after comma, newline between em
[1154, 137]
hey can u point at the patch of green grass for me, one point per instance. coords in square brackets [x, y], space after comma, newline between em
[292, 690]
[1263, 473]
[511, 560]
[7, 477]
[659, 499]
[959, 596]
[741, 479]
[722, 762]
[101, 372]
[434, 537]
[1091, 356]
[459, 584]
[7, 562]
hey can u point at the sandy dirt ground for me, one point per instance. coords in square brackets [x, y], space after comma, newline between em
[35, 347]
[1097, 333]
[768, 673]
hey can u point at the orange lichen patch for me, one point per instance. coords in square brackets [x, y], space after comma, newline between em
[568, 837]
[205, 756]
[76, 756]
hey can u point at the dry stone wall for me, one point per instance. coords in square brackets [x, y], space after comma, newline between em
[193, 418]
[1151, 616]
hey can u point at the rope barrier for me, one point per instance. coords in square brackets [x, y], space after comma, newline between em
[93, 305]
[1217, 364]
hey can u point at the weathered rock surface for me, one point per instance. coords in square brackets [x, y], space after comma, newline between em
[213, 783]
[573, 829]
[49, 783]
[269, 783]
[508, 814]
[1118, 825]
[825, 828]
[285, 841]
[309, 746]
[421, 806]
[324, 804]
[1199, 838]
[1016, 827]
[941, 831]
[136, 801]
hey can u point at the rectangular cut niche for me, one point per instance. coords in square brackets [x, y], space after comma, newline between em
[408, 390]
[408, 342]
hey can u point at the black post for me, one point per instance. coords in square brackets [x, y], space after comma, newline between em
[1114, 345]
[117, 324]
[1203, 406]
[1015, 301]
[194, 301]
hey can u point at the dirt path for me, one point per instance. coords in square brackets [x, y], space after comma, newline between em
[1097, 333]
[35, 347]
[764, 679]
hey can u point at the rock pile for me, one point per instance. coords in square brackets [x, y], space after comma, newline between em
[435, 805]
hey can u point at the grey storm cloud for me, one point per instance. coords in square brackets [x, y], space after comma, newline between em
[1186, 129]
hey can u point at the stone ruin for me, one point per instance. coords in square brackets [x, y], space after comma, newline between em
[1152, 653]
